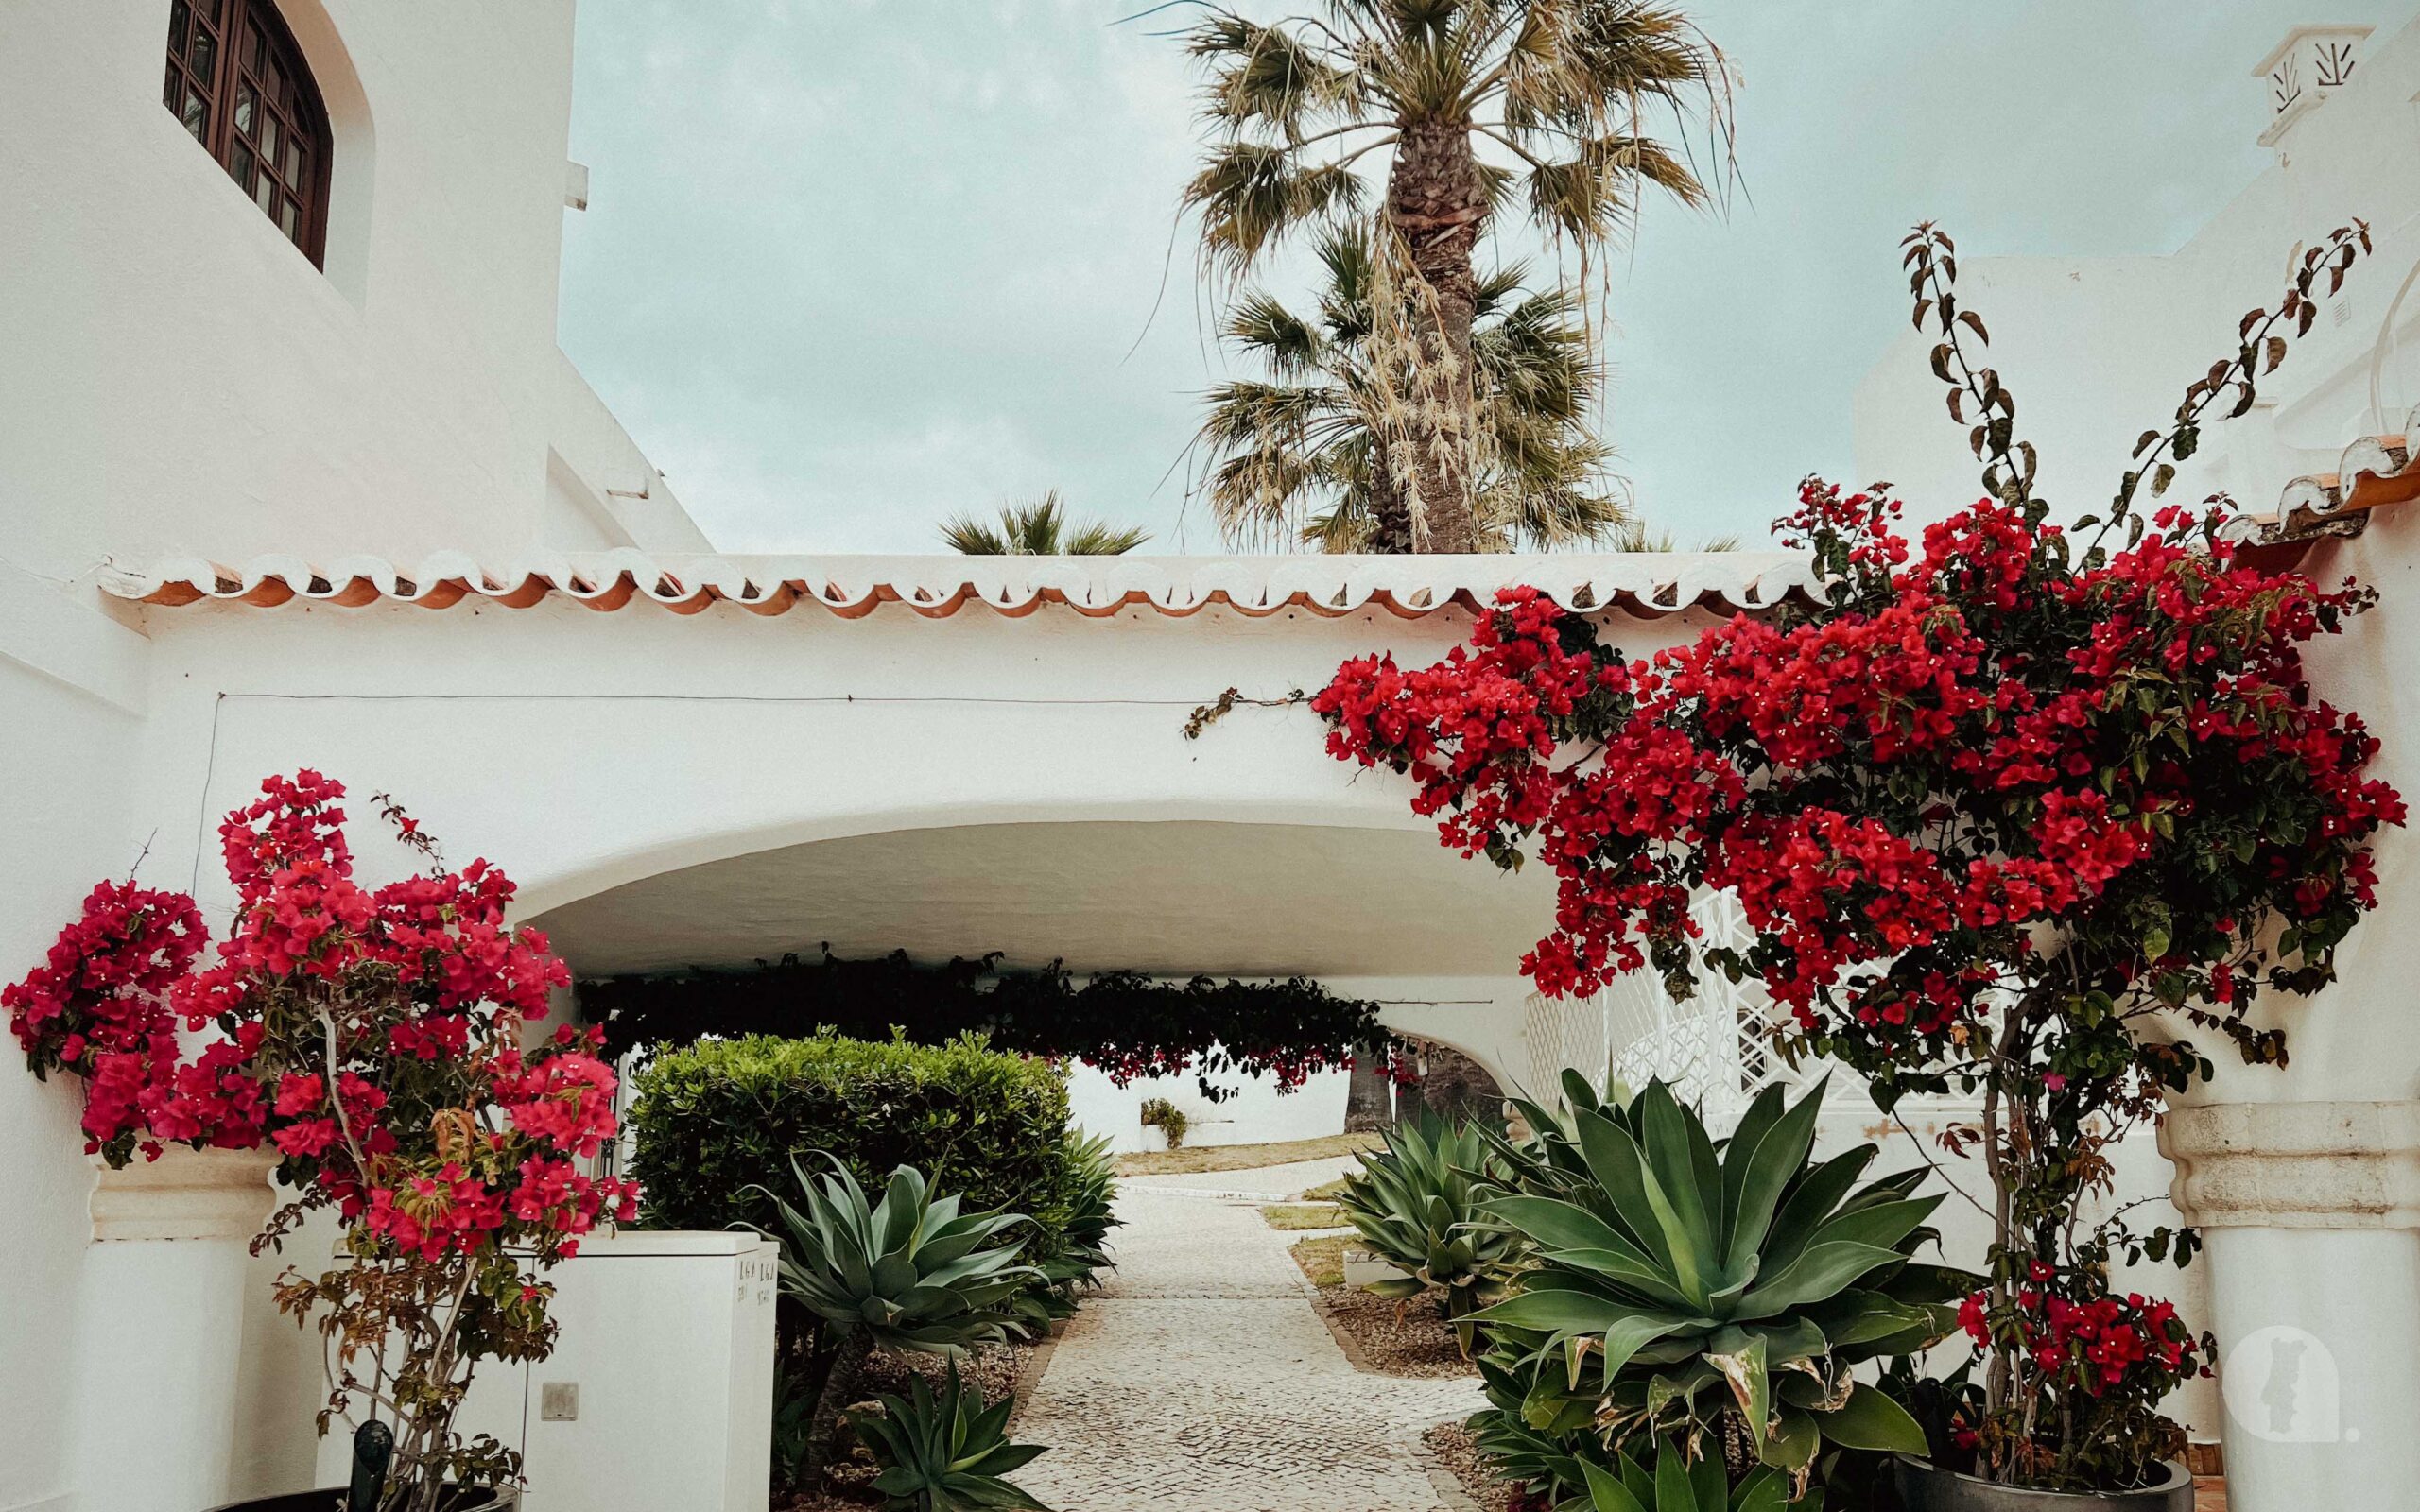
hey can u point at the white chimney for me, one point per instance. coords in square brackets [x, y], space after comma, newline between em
[2309, 65]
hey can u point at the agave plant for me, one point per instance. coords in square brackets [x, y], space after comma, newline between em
[939, 1453]
[1680, 1484]
[1089, 1219]
[1415, 1203]
[907, 1273]
[1678, 1284]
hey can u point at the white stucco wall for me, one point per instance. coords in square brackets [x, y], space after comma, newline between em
[179, 378]
[73, 721]
[2099, 348]
[1258, 1113]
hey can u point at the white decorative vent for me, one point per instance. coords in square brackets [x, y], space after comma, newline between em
[2310, 64]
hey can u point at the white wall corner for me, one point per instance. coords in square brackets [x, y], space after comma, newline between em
[63, 632]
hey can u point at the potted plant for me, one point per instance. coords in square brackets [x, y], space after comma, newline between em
[373, 1037]
[2024, 811]
[1164, 1123]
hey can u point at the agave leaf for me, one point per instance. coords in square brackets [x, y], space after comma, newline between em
[1766, 1491]
[1615, 1160]
[1710, 1484]
[1739, 1148]
[1555, 1310]
[1606, 1493]
[1680, 1164]
[1823, 1271]
[1871, 1420]
[1674, 1490]
[1792, 1445]
[1777, 1157]
[1626, 1272]
[1883, 1225]
[1558, 1224]
[1744, 1368]
[1815, 1198]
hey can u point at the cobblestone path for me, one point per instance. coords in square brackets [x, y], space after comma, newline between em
[1201, 1380]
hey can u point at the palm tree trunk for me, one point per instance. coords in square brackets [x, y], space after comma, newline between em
[1389, 506]
[1436, 203]
[1365, 1092]
[1411, 1098]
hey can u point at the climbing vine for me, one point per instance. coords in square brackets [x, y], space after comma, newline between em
[1125, 1023]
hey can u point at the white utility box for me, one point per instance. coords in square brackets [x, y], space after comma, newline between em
[659, 1395]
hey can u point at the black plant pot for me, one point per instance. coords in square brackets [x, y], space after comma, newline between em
[1926, 1488]
[477, 1498]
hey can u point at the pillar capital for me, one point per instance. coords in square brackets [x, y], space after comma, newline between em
[2295, 1166]
[185, 1194]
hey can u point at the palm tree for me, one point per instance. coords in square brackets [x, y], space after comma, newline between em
[1040, 528]
[1295, 455]
[1567, 90]
[1634, 536]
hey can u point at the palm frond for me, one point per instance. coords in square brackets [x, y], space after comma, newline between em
[1251, 194]
[1039, 528]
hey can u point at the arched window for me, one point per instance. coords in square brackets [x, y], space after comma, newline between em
[239, 84]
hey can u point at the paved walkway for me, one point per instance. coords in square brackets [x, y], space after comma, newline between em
[1201, 1380]
[1268, 1182]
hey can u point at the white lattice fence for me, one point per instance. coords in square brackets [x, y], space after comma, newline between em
[1713, 1049]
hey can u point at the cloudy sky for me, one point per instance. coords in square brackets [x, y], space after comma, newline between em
[853, 265]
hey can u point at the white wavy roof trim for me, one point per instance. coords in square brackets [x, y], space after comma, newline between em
[1642, 583]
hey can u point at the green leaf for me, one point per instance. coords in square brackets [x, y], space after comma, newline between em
[1751, 1386]
[1816, 1197]
[1673, 1491]
[1776, 1161]
[1681, 1162]
[1882, 1226]
[1606, 1493]
[1794, 1443]
[1871, 1420]
[1615, 1160]
[1824, 1271]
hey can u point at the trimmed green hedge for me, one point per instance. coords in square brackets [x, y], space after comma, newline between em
[721, 1115]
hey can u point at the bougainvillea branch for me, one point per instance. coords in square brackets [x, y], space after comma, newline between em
[373, 1038]
[2000, 818]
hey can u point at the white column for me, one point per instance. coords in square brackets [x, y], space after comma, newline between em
[160, 1330]
[2311, 1214]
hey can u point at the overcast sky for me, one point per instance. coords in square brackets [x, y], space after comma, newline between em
[853, 265]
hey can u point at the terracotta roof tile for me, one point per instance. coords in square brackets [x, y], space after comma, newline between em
[1642, 585]
[2375, 470]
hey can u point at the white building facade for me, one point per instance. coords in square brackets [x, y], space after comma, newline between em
[299, 476]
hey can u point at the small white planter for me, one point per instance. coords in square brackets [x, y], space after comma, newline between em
[1361, 1271]
[1155, 1137]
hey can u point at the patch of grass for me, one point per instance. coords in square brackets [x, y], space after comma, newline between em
[1322, 1259]
[1303, 1216]
[1242, 1157]
[1328, 1192]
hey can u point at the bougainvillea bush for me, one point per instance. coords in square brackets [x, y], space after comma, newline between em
[2032, 812]
[373, 1036]
[1126, 1024]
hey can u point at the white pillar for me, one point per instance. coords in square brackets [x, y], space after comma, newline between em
[160, 1331]
[2311, 1215]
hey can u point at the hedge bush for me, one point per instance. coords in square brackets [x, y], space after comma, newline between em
[721, 1116]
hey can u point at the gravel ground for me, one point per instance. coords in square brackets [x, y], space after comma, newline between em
[1456, 1450]
[1418, 1343]
[994, 1369]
